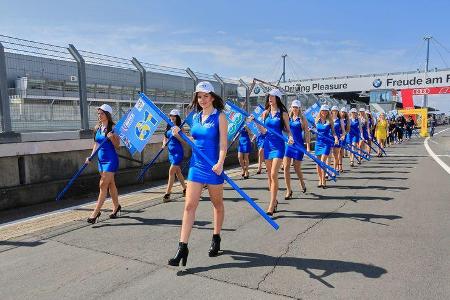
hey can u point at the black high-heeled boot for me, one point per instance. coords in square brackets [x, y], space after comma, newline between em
[182, 254]
[215, 245]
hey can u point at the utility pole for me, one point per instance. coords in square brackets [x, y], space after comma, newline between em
[425, 97]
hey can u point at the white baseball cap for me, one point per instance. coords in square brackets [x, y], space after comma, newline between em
[174, 112]
[276, 92]
[353, 110]
[335, 108]
[105, 107]
[344, 109]
[205, 87]
[362, 110]
[296, 103]
[325, 107]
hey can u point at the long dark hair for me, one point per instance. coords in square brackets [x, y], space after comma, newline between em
[217, 102]
[177, 122]
[280, 106]
[110, 123]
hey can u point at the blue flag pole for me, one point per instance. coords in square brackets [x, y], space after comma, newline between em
[78, 173]
[329, 170]
[224, 175]
[238, 133]
[379, 146]
[344, 145]
[370, 146]
[147, 166]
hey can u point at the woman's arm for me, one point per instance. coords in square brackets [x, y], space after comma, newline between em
[94, 148]
[114, 138]
[223, 144]
[288, 128]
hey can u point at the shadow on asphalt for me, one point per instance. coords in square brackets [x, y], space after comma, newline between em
[21, 244]
[150, 222]
[336, 215]
[247, 260]
[375, 187]
[347, 197]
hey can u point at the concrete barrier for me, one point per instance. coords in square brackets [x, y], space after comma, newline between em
[34, 172]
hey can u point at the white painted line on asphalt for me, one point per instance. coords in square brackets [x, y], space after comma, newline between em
[434, 142]
[434, 156]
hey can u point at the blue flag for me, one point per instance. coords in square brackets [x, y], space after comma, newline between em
[136, 129]
[189, 119]
[235, 120]
[311, 113]
[257, 113]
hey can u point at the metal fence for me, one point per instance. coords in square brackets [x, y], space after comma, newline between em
[47, 87]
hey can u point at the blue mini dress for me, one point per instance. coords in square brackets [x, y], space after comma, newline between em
[245, 145]
[354, 134]
[260, 141]
[108, 161]
[338, 132]
[297, 131]
[323, 144]
[273, 144]
[207, 139]
[175, 148]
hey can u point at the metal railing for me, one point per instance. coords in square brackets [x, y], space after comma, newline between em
[47, 87]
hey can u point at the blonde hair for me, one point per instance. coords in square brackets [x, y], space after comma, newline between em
[328, 119]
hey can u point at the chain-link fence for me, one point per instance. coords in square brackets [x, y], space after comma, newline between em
[49, 87]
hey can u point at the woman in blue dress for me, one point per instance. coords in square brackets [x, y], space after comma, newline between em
[276, 118]
[344, 138]
[325, 129]
[209, 134]
[108, 162]
[244, 149]
[366, 135]
[260, 146]
[339, 130]
[355, 134]
[299, 127]
[176, 153]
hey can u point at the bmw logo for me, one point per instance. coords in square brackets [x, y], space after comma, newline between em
[377, 83]
[257, 90]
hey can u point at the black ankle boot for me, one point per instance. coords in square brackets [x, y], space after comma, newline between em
[182, 254]
[215, 245]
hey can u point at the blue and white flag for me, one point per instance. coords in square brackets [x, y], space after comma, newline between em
[257, 113]
[311, 113]
[138, 126]
[235, 120]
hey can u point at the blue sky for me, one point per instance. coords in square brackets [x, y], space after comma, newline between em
[245, 39]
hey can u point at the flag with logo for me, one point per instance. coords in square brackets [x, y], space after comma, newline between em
[235, 120]
[311, 113]
[257, 114]
[137, 127]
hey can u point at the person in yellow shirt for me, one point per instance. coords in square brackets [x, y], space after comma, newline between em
[381, 130]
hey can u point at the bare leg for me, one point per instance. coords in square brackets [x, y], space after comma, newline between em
[172, 171]
[246, 163]
[298, 171]
[241, 162]
[276, 163]
[114, 194]
[180, 176]
[193, 193]
[269, 171]
[216, 196]
[105, 179]
[287, 175]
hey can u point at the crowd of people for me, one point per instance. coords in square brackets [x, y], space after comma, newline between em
[339, 132]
